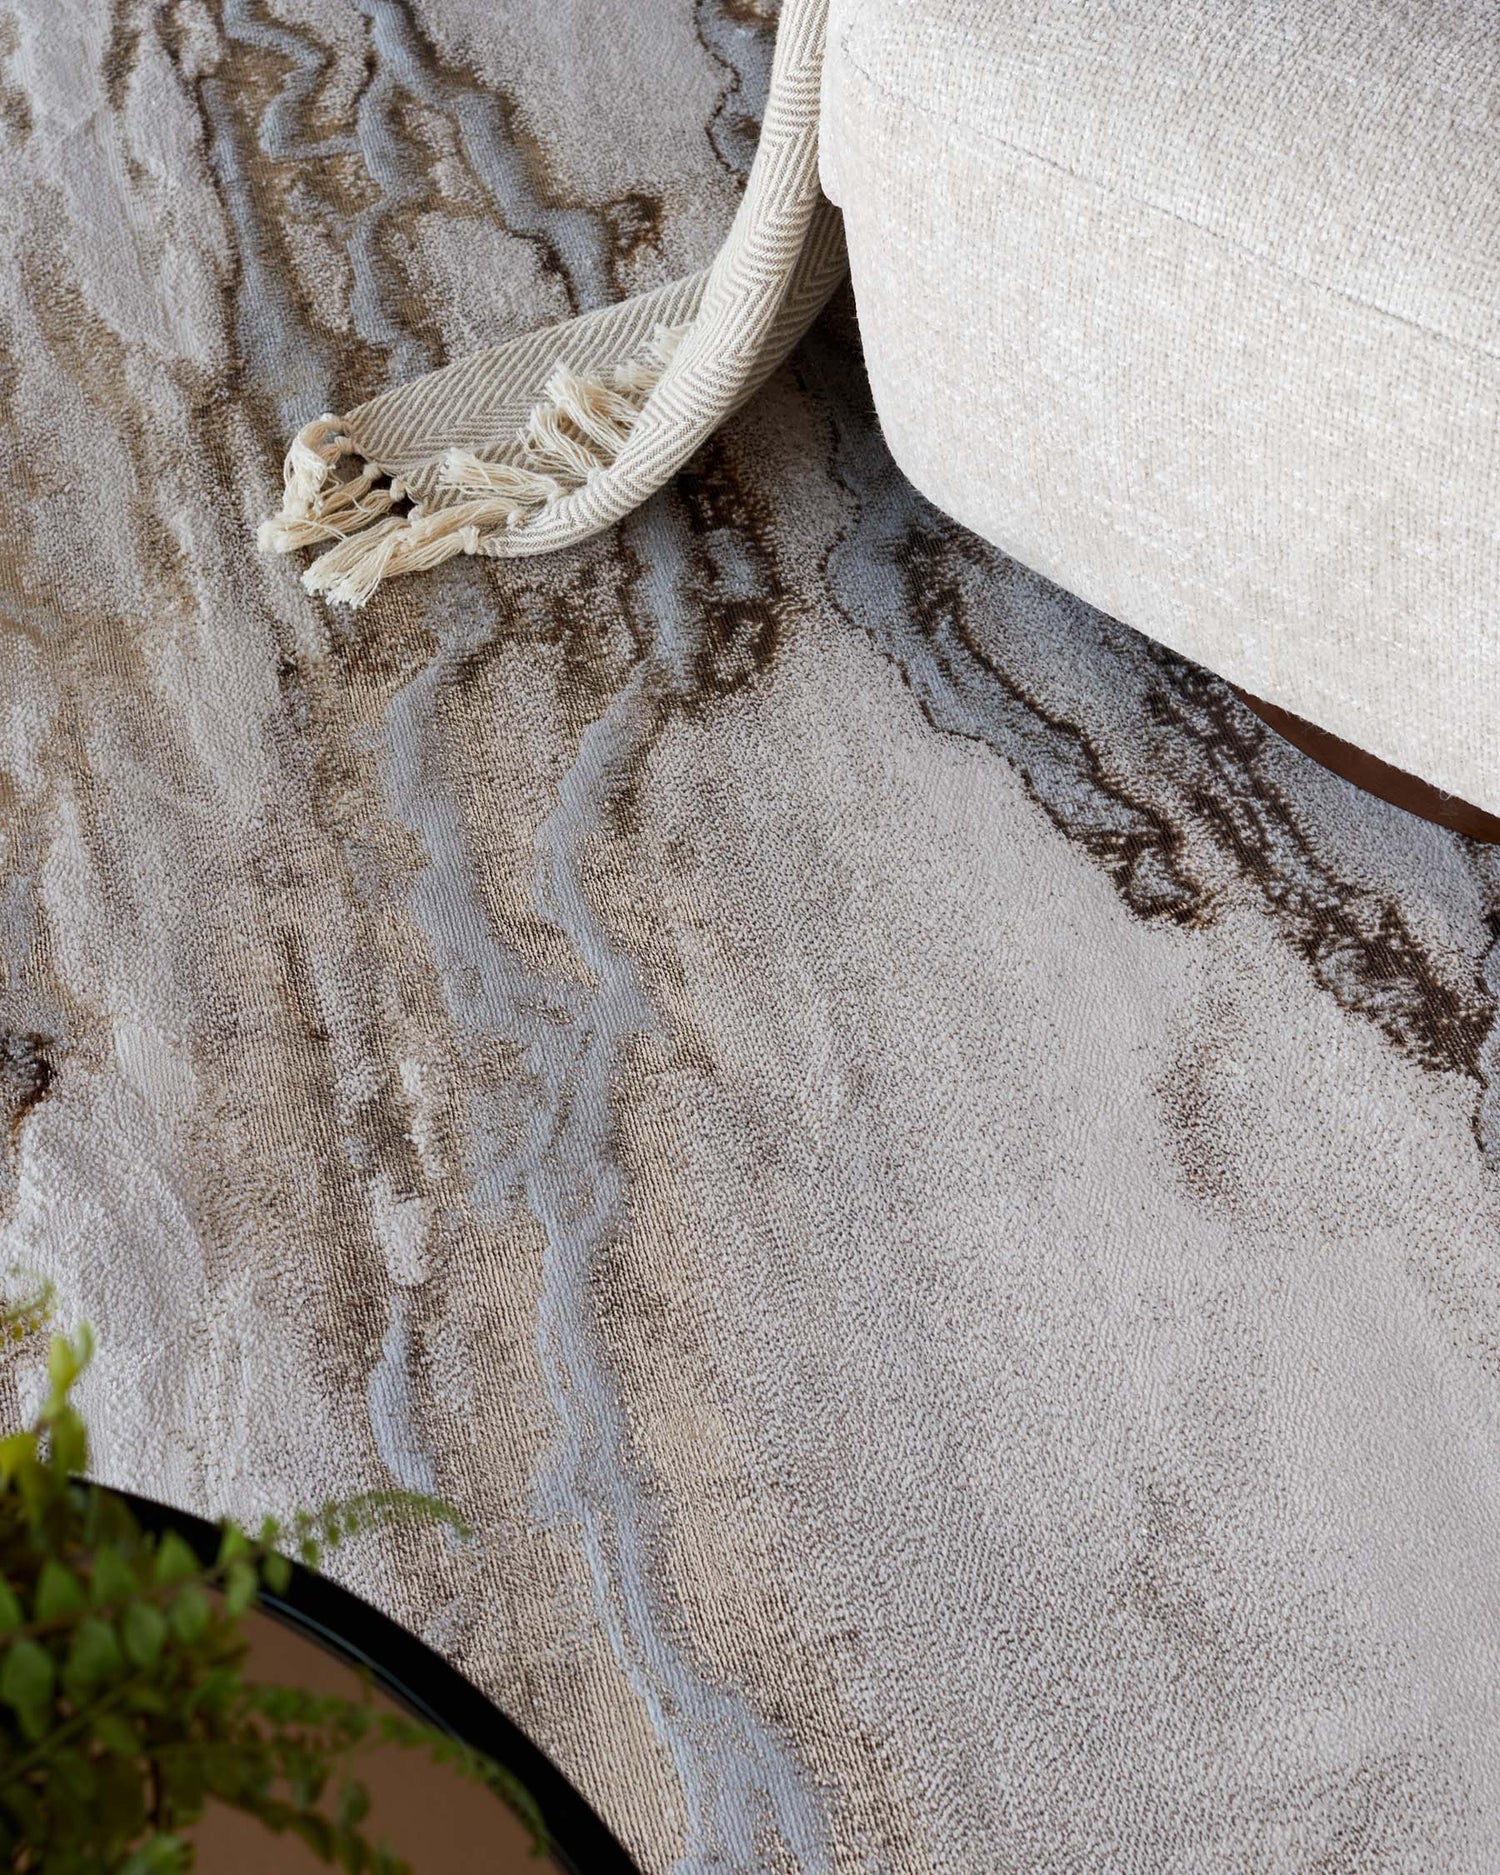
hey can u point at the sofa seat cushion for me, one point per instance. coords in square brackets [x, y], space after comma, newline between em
[1194, 307]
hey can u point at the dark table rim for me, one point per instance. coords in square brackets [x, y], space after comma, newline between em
[420, 1679]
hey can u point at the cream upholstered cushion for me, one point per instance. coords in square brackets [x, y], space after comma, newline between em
[1194, 307]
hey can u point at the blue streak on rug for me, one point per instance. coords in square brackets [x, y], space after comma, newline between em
[574, 239]
[393, 1419]
[739, 1781]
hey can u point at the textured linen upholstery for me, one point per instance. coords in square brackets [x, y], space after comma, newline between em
[1194, 307]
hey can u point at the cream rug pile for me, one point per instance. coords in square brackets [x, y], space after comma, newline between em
[932, 1191]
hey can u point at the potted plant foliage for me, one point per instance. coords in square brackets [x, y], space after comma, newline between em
[132, 1716]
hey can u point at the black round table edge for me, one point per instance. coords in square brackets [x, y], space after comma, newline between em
[420, 1679]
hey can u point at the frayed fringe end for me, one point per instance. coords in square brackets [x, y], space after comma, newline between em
[316, 505]
[576, 430]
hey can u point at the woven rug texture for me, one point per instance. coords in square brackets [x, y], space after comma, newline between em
[930, 1189]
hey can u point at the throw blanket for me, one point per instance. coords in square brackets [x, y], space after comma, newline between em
[544, 441]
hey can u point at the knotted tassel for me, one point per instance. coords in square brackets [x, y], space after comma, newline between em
[350, 572]
[576, 430]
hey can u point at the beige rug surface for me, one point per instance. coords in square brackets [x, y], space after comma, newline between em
[932, 1191]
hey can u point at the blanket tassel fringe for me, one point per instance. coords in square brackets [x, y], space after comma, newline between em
[576, 430]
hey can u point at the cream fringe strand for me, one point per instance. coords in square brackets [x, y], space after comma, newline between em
[573, 433]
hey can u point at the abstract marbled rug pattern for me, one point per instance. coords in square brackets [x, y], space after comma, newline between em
[931, 1191]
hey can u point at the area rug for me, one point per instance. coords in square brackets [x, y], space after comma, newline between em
[930, 1190]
